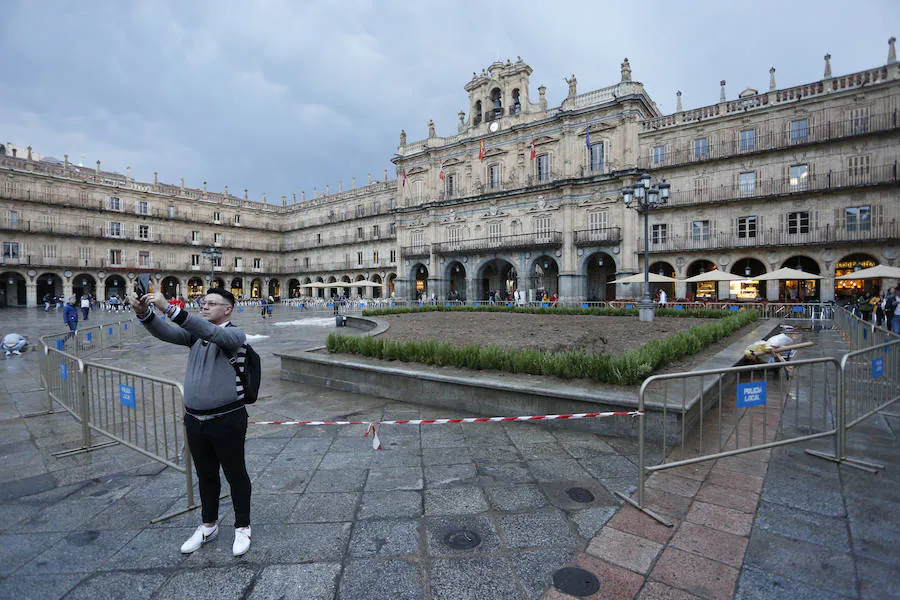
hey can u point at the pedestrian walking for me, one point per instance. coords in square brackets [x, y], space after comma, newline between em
[70, 317]
[85, 306]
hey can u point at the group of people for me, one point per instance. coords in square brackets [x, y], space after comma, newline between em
[882, 309]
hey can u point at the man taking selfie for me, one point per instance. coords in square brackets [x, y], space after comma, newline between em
[215, 418]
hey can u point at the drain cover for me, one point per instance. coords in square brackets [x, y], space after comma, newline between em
[580, 494]
[462, 539]
[575, 582]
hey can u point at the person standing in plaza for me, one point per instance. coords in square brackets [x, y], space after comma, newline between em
[70, 316]
[215, 418]
[85, 306]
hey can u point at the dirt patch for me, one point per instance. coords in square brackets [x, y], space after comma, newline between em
[549, 333]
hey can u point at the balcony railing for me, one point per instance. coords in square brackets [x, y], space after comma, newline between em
[598, 237]
[338, 240]
[416, 251]
[773, 140]
[866, 232]
[525, 241]
[761, 188]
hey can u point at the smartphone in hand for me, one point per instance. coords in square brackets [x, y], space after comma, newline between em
[142, 285]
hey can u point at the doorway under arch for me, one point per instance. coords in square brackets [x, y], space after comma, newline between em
[114, 285]
[420, 276]
[702, 290]
[544, 278]
[498, 275]
[13, 291]
[846, 288]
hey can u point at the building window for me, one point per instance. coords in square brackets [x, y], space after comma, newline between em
[598, 220]
[377, 208]
[393, 229]
[747, 183]
[418, 238]
[798, 222]
[393, 256]
[115, 229]
[597, 157]
[858, 218]
[700, 186]
[217, 239]
[495, 230]
[171, 211]
[319, 239]
[13, 219]
[748, 140]
[543, 167]
[451, 185]
[375, 256]
[359, 258]
[237, 219]
[143, 232]
[494, 176]
[359, 210]
[659, 155]
[858, 169]
[217, 217]
[143, 208]
[49, 250]
[216, 261]
[257, 263]
[10, 249]
[542, 228]
[144, 258]
[84, 253]
[799, 130]
[195, 260]
[115, 257]
[701, 148]
[659, 233]
[799, 177]
[195, 236]
[746, 227]
[418, 192]
[700, 231]
[859, 120]
[306, 261]
[115, 203]
[453, 235]
[360, 234]
[238, 262]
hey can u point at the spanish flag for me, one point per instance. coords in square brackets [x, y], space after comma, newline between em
[481, 151]
[441, 174]
[533, 149]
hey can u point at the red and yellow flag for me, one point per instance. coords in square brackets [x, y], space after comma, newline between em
[481, 151]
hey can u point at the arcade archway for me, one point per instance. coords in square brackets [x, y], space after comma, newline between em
[846, 288]
[498, 275]
[750, 288]
[12, 290]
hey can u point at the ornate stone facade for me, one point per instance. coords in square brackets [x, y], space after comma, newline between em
[523, 195]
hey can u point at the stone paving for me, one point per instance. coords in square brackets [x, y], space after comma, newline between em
[333, 519]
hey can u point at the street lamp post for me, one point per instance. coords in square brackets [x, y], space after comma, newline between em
[213, 254]
[643, 198]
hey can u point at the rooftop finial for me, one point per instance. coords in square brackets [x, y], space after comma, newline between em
[626, 70]
[722, 91]
[772, 79]
[246, 196]
[573, 85]
[827, 66]
[402, 137]
[678, 107]
[892, 51]
[431, 132]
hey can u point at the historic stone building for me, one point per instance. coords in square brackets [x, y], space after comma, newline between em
[524, 195]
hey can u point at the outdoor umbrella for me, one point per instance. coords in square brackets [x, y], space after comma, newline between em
[786, 274]
[876, 272]
[364, 283]
[715, 275]
[639, 278]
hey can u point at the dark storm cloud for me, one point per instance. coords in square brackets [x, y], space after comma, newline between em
[281, 96]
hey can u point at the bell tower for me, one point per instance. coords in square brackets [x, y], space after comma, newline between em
[498, 92]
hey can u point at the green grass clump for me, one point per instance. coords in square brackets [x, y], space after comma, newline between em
[628, 368]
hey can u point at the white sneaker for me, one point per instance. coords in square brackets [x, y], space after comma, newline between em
[202, 535]
[16, 352]
[8, 352]
[241, 541]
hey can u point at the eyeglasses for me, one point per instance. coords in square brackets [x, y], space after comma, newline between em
[205, 303]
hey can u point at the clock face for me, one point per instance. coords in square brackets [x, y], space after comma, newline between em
[494, 126]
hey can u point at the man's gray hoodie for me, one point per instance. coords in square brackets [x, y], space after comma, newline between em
[210, 381]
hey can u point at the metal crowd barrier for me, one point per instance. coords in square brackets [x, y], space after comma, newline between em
[137, 410]
[733, 411]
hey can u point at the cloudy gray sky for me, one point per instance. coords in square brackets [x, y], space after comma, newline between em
[279, 96]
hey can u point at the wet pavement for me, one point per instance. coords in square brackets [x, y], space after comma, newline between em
[453, 511]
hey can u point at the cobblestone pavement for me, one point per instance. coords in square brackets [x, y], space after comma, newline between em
[333, 519]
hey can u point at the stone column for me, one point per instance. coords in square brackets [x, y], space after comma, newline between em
[571, 287]
[31, 297]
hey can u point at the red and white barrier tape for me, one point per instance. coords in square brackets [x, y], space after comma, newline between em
[376, 444]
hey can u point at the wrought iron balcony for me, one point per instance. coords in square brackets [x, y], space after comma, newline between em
[882, 230]
[598, 237]
[522, 241]
[772, 140]
[418, 251]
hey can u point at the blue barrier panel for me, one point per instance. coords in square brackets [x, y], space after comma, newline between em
[678, 307]
[509, 304]
[865, 333]
[421, 304]
[734, 308]
[110, 331]
[629, 306]
[362, 304]
[585, 305]
[241, 309]
[478, 304]
[89, 336]
[63, 370]
[446, 304]
[126, 326]
[796, 309]
[393, 304]
[126, 396]
[60, 344]
[877, 367]
[752, 393]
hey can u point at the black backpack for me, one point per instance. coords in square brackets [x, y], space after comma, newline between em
[248, 369]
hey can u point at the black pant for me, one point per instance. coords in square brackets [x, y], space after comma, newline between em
[215, 442]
